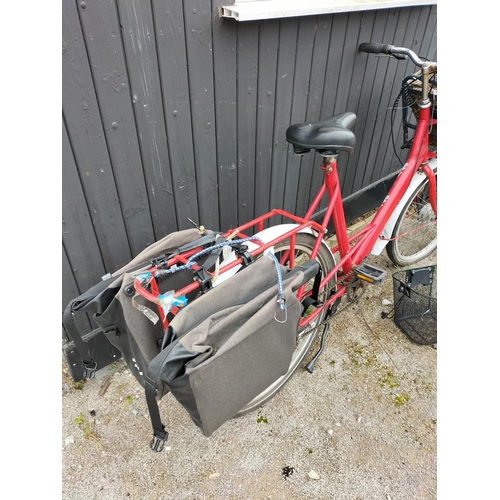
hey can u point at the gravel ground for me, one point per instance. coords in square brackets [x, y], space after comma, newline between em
[361, 427]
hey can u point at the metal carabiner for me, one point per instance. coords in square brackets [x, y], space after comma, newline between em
[283, 308]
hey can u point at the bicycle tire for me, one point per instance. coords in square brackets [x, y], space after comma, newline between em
[304, 244]
[415, 234]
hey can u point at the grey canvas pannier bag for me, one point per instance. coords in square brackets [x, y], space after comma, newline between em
[113, 305]
[229, 345]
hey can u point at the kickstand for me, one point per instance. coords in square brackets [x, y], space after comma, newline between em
[310, 365]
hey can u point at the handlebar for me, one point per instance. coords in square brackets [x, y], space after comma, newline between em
[404, 53]
[391, 50]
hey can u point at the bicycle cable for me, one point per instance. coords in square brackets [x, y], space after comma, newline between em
[393, 117]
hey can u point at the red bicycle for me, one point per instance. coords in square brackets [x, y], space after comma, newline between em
[405, 223]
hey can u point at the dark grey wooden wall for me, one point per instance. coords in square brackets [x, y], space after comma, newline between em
[170, 112]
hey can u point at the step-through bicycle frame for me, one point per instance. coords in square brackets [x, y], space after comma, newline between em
[351, 249]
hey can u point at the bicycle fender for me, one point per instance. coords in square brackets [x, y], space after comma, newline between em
[266, 236]
[389, 226]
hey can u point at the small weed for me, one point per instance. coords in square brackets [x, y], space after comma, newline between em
[309, 450]
[388, 381]
[261, 419]
[361, 356]
[428, 386]
[127, 400]
[401, 400]
[88, 432]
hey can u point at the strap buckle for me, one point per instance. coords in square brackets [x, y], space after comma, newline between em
[204, 279]
[160, 261]
[89, 370]
[242, 252]
[158, 442]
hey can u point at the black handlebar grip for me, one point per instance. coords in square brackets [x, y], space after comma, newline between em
[375, 48]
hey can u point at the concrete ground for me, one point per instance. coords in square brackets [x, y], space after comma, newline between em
[361, 427]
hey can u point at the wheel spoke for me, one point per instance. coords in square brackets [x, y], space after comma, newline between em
[415, 233]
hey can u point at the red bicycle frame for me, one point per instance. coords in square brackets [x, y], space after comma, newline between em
[352, 249]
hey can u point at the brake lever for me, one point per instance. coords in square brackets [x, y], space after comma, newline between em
[401, 57]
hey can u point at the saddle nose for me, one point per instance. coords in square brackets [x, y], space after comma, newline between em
[328, 137]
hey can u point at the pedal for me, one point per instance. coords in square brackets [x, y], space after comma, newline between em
[371, 274]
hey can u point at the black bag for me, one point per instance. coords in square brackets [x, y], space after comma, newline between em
[225, 348]
[113, 305]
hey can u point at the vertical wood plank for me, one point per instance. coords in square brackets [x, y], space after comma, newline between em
[378, 103]
[70, 290]
[171, 44]
[82, 266]
[373, 87]
[390, 162]
[347, 70]
[360, 71]
[332, 82]
[428, 43]
[225, 82]
[266, 106]
[104, 44]
[347, 63]
[198, 21]
[383, 123]
[78, 231]
[428, 26]
[284, 93]
[431, 33]
[301, 88]
[85, 130]
[248, 67]
[314, 107]
[334, 62]
[140, 48]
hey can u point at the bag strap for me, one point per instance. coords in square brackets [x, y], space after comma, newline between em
[214, 254]
[90, 366]
[160, 435]
[199, 242]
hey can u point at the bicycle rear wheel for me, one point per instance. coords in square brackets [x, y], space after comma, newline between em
[304, 244]
[415, 233]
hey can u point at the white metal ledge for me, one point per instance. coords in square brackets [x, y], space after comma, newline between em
[251, 10]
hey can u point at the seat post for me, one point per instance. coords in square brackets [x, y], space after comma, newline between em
[335, 207]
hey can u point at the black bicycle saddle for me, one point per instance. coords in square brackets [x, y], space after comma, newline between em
[328, 137]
